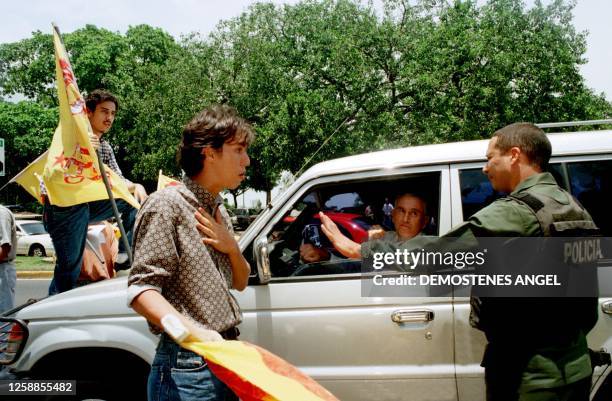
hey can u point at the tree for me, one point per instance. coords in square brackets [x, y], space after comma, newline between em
[27, 129]
[158, 85]
[28, 66]
[476, 69]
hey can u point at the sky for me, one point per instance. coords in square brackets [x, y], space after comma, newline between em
[179, 17]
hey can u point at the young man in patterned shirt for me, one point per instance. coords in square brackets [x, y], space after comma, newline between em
[186, 261]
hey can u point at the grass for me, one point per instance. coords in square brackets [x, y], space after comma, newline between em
[34, 263]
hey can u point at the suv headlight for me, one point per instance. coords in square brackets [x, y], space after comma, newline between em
[13, 338]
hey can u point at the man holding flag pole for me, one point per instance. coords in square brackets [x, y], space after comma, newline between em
[68, 225]
[76, 189]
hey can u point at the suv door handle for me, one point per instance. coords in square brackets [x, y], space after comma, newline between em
[412, 316]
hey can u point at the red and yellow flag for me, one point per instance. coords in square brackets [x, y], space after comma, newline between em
[255, 374]
[164, 181]
[72, 174]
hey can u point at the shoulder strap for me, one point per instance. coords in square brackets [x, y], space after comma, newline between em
[556, 219]
[534, 203]
[545, 218]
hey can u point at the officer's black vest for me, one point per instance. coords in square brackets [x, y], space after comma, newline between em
[541, 321]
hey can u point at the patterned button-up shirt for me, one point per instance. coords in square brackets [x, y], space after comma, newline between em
[169, 257]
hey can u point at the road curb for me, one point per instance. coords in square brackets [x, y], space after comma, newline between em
[26, 274]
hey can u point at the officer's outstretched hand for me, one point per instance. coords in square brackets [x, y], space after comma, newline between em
[344, 245]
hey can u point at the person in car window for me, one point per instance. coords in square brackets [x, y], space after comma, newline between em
[409, 217]
[180, 282]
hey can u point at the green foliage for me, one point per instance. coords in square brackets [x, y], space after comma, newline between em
[27, 129]
[329, 72]
[27, 68]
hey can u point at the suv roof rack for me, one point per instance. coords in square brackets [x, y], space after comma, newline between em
[573, 123]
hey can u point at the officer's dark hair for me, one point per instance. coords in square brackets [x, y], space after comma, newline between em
[100, 96]
[414, 195]
[212, 127]
[529, 138]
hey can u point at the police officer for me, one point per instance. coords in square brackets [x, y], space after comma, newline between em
[536, 348]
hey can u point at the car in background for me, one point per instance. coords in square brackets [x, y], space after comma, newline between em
[242, 217]
[15, 208]
[33, 239]
[253, 213]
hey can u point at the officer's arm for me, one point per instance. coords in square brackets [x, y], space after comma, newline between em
[342, 243]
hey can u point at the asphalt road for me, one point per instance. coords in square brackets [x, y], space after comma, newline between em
[30, 288]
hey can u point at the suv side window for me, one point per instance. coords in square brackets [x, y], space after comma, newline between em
[590, 182]
[476, 191]
[298, 247]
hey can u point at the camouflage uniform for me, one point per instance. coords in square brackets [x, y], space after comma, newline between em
[533, 353]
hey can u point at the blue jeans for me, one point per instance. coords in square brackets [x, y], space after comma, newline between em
[68, 229]
[8, 281]
[180, 374]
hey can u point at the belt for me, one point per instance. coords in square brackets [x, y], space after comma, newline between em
[230, 334]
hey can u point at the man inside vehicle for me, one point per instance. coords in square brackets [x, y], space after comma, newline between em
[409, 217]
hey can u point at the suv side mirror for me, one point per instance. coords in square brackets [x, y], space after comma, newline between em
[261, 250]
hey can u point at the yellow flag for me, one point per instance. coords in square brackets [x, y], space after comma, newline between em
[30, 177]
[256, 374]
[164, 181]
[72, 174]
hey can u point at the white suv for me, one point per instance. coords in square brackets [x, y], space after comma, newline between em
[415, 347]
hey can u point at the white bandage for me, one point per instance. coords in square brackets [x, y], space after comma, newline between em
[174, 327]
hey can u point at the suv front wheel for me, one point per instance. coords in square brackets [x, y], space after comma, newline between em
[100, 373]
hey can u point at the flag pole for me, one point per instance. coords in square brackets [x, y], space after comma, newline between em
[111, 198]
[109, 191]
